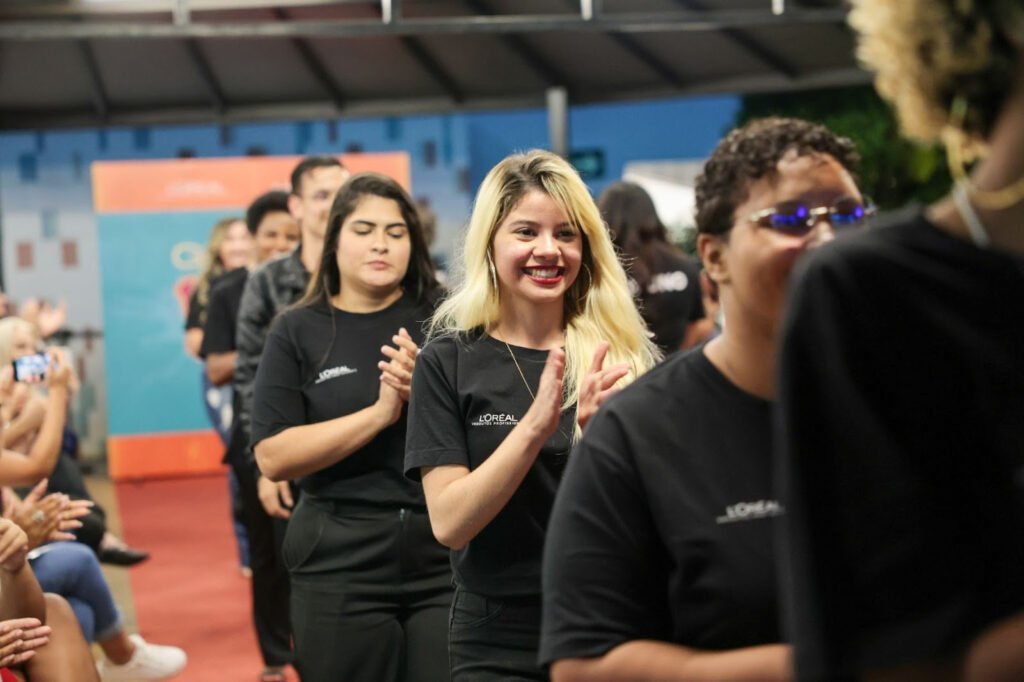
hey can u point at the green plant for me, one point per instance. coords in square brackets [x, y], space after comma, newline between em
[893, 171]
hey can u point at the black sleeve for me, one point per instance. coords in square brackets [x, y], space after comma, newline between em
[219, 330]
[254, 316]
[602, 584]
[195, 312]
[436, 432]
[278, 402]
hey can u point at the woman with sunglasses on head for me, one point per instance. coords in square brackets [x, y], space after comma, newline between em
[370, 587]
[659, 562]
[515, 366]
[902, 388]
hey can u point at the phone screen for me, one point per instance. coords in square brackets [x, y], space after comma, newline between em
[31, 368]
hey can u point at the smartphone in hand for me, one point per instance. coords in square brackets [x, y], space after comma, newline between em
[31, 369]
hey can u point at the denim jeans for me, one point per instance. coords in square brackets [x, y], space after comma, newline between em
[71, 570]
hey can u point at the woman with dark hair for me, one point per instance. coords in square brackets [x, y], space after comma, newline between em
[371, 587]
[664, 280]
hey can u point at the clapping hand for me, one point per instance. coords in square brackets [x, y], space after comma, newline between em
[397, 369]
[598, 385]
[19, 639]
[46, 518]
[546, 410]
[13, 546]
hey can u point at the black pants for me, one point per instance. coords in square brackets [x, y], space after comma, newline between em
[494, 640]
[371, 589]
[269, 576]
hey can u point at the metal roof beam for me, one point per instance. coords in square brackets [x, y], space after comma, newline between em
[547, 72]
[746, 41]
[426, 60]
[315, 66]
[653, 62]
[99, 94]
[213, 89]
[506, 24]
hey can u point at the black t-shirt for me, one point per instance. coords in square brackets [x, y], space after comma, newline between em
[194, 317]
[663, 527]
[320, 363]
[902, 448]
[219, 337]
[467, 396]
[222, 312]
[671, 300]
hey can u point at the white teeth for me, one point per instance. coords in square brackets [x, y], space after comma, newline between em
[543, 273]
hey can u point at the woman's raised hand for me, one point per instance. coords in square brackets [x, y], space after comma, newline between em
[546, 410]
[397, 369]
[59, 373]
[598, 384]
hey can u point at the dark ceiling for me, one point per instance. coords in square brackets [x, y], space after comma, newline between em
[110, 62]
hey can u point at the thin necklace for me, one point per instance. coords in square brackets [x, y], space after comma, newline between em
[520, 370]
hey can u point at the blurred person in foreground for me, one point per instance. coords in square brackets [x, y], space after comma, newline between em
[902, 380]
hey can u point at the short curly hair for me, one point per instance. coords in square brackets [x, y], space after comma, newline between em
[925, 53]
[752, 152]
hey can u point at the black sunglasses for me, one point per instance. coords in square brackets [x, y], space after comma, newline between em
[796, 218]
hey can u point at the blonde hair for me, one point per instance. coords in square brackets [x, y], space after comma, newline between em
[213, 266]
[927, 53]
[9, 326]
[598, 305]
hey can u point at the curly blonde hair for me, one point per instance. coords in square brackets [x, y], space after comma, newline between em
[927, 53]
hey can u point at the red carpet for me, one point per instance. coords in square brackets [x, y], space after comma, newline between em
[191, 593]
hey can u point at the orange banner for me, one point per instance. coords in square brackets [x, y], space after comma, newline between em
[157, 455]
[204, 184]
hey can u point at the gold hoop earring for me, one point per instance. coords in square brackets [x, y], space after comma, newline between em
[590, 276]
[493, 273]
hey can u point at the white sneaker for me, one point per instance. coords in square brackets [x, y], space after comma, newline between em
[149, 662]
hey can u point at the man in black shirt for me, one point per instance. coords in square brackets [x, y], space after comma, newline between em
[269, 290]
[660, 561]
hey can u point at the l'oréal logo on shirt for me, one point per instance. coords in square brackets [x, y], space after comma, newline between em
[334, 373]
[495, 419]
[750, 511]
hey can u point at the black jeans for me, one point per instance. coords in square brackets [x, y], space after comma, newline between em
[494, 639]
[371, 589]
[269, 576]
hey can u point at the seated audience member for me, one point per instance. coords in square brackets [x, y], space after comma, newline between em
[25, 410]
[30, 650]
[660, 560]
[902, 381]
[72, 570]
[664, 280]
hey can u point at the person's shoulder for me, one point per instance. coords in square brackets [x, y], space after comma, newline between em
[889, 241]
[659, 388]
[674, 258]
[273, 267]
[229, 280]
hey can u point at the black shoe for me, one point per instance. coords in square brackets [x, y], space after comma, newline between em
[122, 556]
